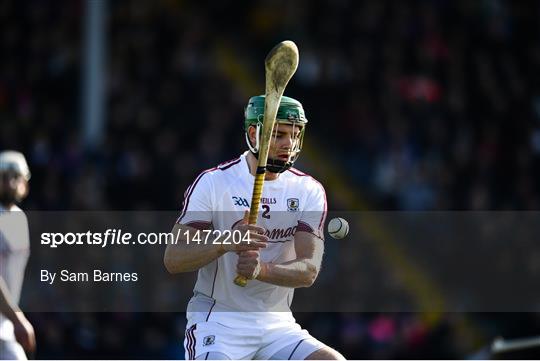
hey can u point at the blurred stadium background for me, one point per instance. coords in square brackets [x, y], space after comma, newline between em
[413, 105]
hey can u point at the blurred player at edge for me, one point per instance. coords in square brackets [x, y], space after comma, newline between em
[15, 330]
[226, 321]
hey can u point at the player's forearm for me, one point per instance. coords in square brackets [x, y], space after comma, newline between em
[186, 256]
[7, 307]
[294, 274]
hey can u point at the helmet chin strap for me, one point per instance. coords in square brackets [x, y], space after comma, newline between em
[276, 165]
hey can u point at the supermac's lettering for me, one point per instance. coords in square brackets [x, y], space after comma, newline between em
[215, 237]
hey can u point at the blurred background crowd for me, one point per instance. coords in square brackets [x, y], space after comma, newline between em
[419, 105]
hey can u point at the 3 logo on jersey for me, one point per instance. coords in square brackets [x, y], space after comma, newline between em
[239, 201]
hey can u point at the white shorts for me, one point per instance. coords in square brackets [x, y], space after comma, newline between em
[261, 339]
[11, 350]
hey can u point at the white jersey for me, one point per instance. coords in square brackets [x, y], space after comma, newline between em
[14, 252]
[218, 199]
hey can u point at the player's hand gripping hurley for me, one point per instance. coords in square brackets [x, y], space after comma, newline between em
[280, 65]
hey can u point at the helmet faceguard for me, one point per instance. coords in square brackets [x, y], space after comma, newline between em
[290, 112]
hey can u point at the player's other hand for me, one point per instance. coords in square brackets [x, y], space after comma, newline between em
[24, 333]
[257, 239]
[249, 264]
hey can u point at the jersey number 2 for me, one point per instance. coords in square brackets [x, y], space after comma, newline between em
[266, 211]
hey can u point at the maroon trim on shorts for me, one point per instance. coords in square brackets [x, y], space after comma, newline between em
[194, 340]
[187, 343]
[190, 346]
